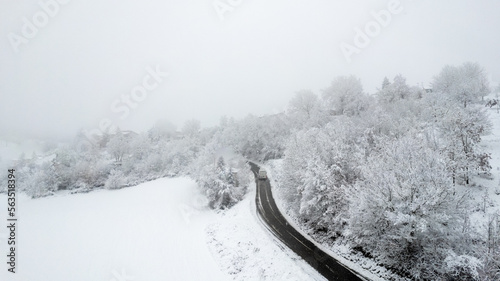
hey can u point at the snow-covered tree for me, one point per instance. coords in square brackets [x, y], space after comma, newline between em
[304, 102]
[407, 213]
[466, 156]
[115, 180]
[104, 138]
[345, 96]
[320, 164]
[257, 138]
[417, 92]
[491, 253]
[191, 128]
[460, 130]
[220, 185]
[38, 181]
[163, 129]
[64, 163]
[305, 110]
[223, 181]
[397, 90]
[118, 146]
[467, 83]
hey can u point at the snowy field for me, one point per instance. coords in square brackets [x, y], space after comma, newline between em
[153, 231]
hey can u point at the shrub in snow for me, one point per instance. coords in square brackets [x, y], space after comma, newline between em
[80, 187]
[223, 185]
[37, 180]
[115, 180]
[65, 162]
[462, 267]
[92, 171]
[87, 167]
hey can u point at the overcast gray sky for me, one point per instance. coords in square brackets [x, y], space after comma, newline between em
[84, 57]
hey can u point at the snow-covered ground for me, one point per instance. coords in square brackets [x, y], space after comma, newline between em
[247, 251]
[160, 230]
[488, 206]
[153, 231]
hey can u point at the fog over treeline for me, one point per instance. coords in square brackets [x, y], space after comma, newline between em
[69, 65]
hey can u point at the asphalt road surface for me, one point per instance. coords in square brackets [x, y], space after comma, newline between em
[267, 210]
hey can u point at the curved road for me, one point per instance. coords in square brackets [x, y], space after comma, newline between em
[267, 210]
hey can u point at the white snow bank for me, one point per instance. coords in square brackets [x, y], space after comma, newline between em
[153, 231]
[247, 251]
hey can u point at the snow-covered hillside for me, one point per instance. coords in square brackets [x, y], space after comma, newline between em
[153, 231]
